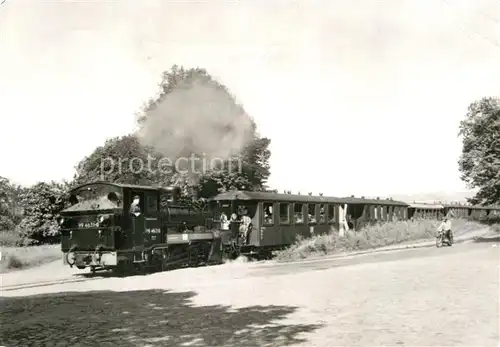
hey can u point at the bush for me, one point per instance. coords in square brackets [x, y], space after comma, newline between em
[490, 220]
[9, 238]
[13, 238]
[373, 236]
[14, 262]
[42, 204]
[16, 258]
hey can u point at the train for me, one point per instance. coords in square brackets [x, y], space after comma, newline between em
[122, 227]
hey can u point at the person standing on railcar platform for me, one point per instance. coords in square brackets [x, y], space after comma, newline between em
[246, 225]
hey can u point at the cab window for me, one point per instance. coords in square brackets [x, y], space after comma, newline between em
[152, 204]
[136, 202]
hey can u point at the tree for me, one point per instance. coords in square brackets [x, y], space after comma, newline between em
[42, 204]
[122, 160]
[249, 172]
[479, 162]
[10, 212]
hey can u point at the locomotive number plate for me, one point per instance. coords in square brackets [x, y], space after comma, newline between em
[84, 225]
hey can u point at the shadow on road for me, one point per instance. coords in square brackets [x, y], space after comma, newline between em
[140, 318]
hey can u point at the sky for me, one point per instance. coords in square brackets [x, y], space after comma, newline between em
[358, 97]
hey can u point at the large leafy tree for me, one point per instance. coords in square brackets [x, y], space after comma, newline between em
[251, 172]
[122, 160]
[479, 162]
[42, 204]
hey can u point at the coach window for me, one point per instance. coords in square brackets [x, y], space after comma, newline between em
[284, 213]
[298, 213]
[268, 213]
[311, 213]
[164, 202]
[322, 214]
[331, 213]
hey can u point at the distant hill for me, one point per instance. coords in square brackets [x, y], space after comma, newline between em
[434, 196]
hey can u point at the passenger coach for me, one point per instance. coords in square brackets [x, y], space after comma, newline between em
[277, 219]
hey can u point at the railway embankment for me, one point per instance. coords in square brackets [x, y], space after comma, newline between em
[388, 236]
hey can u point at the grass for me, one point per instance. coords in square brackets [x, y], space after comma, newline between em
[15, 257]
[371, 237]
[496, 228]
[9, 239]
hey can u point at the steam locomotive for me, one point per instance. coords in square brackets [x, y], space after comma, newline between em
[124, 227]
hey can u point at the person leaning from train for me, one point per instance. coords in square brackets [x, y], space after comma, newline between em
[224, 222]
[135, 208]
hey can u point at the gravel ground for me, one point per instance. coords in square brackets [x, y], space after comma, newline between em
[418, 297]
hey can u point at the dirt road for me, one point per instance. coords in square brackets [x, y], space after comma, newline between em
[420, 297]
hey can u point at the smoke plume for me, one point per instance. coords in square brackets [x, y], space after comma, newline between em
[199, 118]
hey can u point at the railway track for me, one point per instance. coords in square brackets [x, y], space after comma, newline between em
[20, 286]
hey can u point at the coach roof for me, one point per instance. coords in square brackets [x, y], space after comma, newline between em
[270, 196]
[474, 207]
